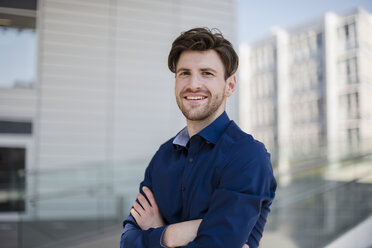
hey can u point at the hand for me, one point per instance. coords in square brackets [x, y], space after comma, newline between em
[147, 216]
[245, 246]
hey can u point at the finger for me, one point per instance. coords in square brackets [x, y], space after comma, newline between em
[245, 246]
[135, 215]
[150, 196]
[145, 204]
[138, 208]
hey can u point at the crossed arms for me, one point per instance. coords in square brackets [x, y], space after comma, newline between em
[237, 210]
[147, 215]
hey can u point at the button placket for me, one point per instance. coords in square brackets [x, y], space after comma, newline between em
[190, 161]
[183, 183]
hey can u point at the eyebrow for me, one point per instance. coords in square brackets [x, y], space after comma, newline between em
[202, 69]
[182, 69]
[208, 69]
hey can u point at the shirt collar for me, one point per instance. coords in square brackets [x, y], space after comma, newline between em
[210, 133]
[214, 130]
[182, 138]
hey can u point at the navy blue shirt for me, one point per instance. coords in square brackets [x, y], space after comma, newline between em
[221, 175]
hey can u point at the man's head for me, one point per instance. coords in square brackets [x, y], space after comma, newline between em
[203, 39]
[204, 64]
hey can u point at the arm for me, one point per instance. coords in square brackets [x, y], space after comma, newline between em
[147, 215]
[246, 189]
[182, 233]
[133, 236]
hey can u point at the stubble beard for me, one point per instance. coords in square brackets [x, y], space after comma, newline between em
[200, 113]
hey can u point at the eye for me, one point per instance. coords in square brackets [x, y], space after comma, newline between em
[207, 73]
[183, 73]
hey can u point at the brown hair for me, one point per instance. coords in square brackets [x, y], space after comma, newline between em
[202, 39]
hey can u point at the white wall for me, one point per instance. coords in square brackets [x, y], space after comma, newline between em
[105, 89]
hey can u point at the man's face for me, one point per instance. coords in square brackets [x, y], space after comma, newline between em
[201, 89]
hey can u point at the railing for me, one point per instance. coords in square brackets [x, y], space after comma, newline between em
[317, 205]
[65, 205]
[313, 206]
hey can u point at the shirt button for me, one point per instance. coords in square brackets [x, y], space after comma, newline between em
[190, 160]
[183, 188]
[208, 142]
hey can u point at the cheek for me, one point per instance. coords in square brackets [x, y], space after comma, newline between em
[178, 87]
[176, 90]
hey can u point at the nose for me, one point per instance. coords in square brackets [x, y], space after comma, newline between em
[195, 83]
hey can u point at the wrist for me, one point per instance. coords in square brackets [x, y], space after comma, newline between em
[180, 234]
[166, 238]
[162, 242]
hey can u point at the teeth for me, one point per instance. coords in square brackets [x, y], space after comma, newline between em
[195, 97]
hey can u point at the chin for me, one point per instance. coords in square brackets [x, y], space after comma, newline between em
[196, 116]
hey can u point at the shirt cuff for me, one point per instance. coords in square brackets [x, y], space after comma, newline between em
[156, 236]
[161, 237]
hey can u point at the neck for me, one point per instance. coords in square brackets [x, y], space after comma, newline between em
[193, 127]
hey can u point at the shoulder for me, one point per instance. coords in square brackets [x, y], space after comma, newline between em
[247, 163]
[239, 142]
[166, 145]
[243, 152]
[164, 150]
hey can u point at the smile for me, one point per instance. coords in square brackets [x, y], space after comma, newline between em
[195, 97]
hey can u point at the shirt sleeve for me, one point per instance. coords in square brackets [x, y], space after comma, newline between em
[240, 204]
[133, 236]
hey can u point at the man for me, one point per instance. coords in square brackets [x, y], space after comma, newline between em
[212, 184]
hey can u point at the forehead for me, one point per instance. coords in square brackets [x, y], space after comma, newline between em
[200, 59]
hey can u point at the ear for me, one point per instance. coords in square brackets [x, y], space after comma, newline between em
[230, 85]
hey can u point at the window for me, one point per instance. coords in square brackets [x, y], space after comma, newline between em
[15, 127]
[320, 74]
[12, 187]
[353, 137]
[18, 44]
[349, 34]
[352, 71]
[352, 102]
[346, 29]
[320, 108]
[319, 41]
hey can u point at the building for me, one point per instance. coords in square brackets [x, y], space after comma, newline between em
[305, 92]
[84, 90]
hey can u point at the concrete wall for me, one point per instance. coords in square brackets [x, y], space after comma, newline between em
[104, 91]
[103, 94]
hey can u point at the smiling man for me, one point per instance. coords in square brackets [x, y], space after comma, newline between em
[212, 184]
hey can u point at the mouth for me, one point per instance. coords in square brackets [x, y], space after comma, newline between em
[195, 98]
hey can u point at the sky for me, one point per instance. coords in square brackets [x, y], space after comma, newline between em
[255, 18]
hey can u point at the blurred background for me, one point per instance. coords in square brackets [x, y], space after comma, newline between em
[86, 99]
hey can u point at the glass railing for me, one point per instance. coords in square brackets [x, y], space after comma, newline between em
[65, 206]
[313, 206]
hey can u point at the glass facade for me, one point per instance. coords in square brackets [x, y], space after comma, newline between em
[18, 47]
